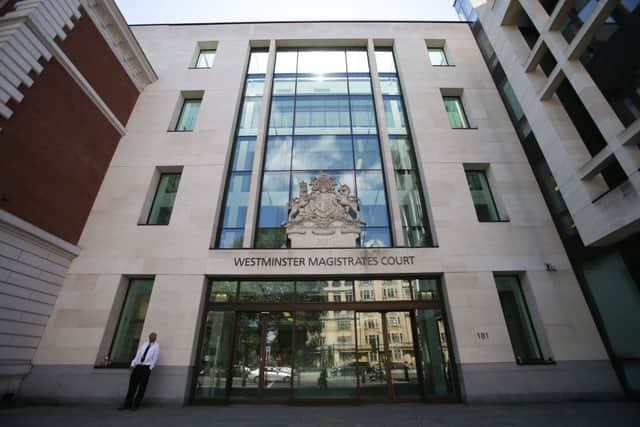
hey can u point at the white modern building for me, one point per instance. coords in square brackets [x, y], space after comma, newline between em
[321, 211]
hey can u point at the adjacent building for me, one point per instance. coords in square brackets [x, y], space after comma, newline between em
[341, 211]
[572, 88]
[70, 74]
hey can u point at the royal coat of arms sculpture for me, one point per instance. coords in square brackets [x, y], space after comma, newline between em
[323, 217]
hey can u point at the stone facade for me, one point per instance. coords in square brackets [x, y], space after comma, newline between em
[179, 256]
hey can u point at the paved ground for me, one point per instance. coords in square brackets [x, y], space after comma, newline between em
[583, 414]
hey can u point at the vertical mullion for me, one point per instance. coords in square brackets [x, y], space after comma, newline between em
[256, 175]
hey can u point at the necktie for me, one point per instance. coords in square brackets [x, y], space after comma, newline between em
[145, 352]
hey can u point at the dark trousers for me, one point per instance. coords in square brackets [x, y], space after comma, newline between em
[138, 381]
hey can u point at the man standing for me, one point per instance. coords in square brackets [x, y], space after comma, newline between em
[146, 358]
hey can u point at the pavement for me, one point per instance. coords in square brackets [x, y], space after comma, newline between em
[556, 414]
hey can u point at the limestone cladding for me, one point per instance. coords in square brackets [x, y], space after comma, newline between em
[468, 252]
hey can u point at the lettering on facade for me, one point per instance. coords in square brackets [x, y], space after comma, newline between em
[328, 261]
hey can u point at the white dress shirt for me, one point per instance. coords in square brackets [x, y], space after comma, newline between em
[150, 359]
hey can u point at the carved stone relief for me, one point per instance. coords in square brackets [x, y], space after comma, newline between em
[324, 216]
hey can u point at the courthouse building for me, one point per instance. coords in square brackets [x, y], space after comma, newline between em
[336, 211]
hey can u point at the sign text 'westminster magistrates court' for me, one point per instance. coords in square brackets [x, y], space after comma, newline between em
[326, 261]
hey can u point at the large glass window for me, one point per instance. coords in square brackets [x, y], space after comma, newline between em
[455, 112]
[516, 315]
[322, 119]
[205, 58]
[231, 232]
[415, 225]
[481, 195]
[165, 196]
[188, 115]
[127, 336]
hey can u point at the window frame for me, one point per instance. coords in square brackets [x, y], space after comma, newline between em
[186, 101]
[199, 54]
[460, 108]
[155, 196]
[444, 55]
[491, 195]
[527, 316]
[108, 362]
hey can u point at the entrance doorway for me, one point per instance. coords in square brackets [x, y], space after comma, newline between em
[262, 356]
[387, 356]
[313, 342]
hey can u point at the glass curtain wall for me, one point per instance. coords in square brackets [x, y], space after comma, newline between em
[239, 180]
[415, 224]
[322, 120]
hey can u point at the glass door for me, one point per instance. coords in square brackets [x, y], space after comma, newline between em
[387, 356]
[262, 356]
[246, 367]
[371, 363]
[401, 360]
[277, 370]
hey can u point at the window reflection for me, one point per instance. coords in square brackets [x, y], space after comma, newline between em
[385, 61]
[324, 152]
[322, 61]
[322, 115]
[243, 157]
[278, 153]
[274, 199]
[321, 86]
[286, 62]
[394, 113]
[250, 116]
[357, 61]
[238, 181]
[415, 224]
[373, 206]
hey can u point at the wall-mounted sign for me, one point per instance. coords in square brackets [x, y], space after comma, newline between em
[322, 261]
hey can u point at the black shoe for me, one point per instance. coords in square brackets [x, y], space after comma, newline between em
[134, 408]
[123, 407]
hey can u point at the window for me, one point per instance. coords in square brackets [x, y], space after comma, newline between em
[394, 321]
[188, 115]
[372, 340]
[455, 111]
[205, 58]
[164, 199]
[322, 118]
[366, 294]
[390, 292]
[127, 336]
[371, 324]
[344, 324]
[336, 298]
[415, 226]
[437, 56]
[516, 315]
[236, 198]
[348, 297]
[396, 337]
[481, 195]
[345, 339]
